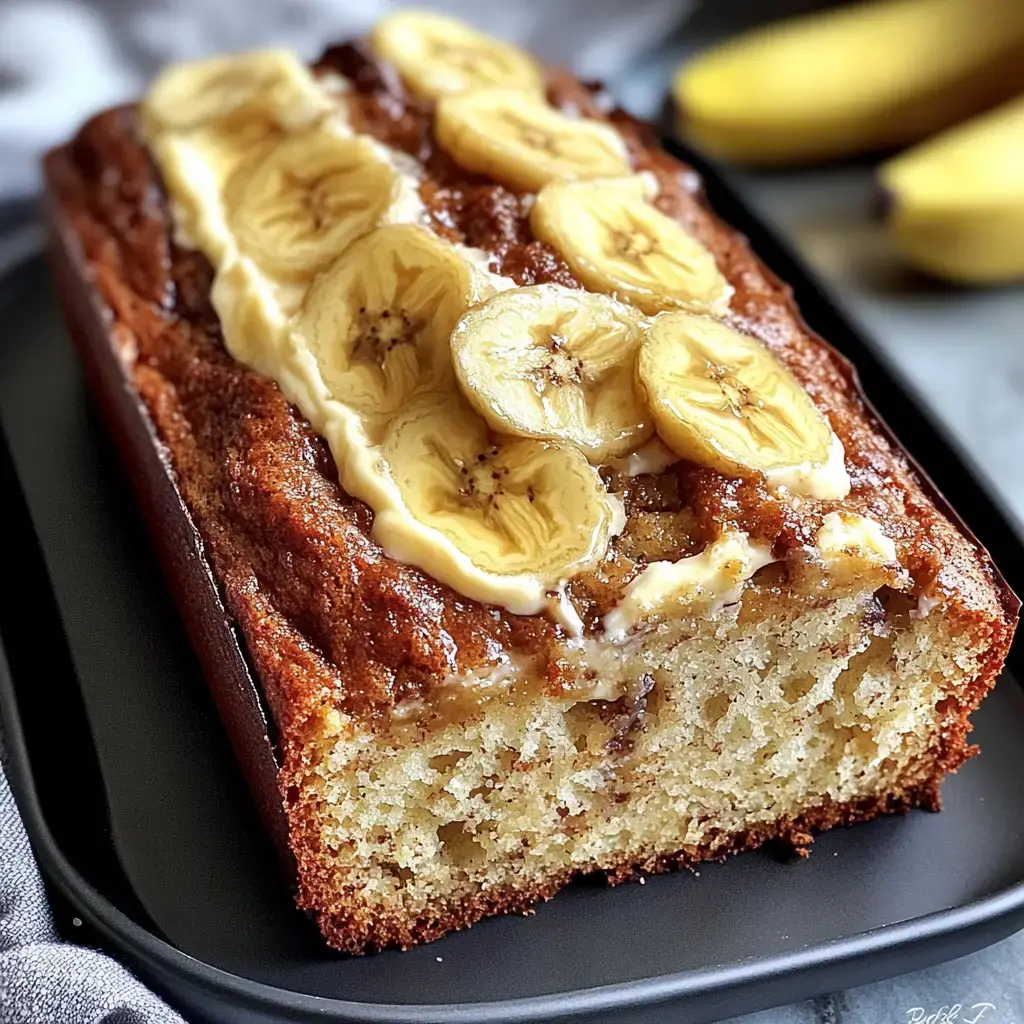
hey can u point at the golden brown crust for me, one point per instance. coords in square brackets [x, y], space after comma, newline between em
[292, 551]
[327, 619]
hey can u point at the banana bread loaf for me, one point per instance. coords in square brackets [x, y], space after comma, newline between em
[557, 542]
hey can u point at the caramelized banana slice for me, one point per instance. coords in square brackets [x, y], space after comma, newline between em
[436, 55]
[557, 364]
[722, 399]
[518, 139]
[511, 506]
[308, 199]
[378, 321]
[617, 242]
[271, 84]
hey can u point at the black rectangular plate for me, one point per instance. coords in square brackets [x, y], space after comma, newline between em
[140, 819]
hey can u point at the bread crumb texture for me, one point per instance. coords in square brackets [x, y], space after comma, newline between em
[732, 730]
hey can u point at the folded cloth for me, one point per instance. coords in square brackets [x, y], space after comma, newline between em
[46, 981]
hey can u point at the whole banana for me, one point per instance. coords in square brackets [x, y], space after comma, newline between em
[956, 203]
[863, 77]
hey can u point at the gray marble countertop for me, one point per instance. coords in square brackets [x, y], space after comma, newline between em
[963, 352]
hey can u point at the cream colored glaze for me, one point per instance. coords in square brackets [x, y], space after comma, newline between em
[714, 577]
[826, 481]
[843, 537]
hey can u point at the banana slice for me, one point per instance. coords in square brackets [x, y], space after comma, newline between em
[518, 139]
[616, 241]
[378, 321]
[273, 84]
[238, 140]
[436, 55]
[722, 399]
[196, 166]
[511, 506]
[308, 199]
[558, 364]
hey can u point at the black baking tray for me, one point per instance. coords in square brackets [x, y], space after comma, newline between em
[142, 824]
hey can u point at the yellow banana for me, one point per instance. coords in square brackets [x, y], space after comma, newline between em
[863, 77]
[956, 202]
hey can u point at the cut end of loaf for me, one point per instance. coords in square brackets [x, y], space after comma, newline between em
[776, 715]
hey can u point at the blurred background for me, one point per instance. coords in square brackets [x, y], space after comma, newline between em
[924, 247]
[60, 60]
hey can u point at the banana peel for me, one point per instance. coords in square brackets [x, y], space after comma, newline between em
[955, 204]
[873, 76]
